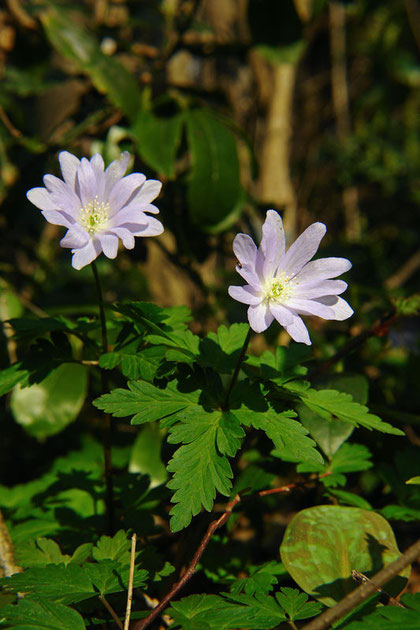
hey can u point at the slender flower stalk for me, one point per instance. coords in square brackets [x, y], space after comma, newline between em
[283, 285]
[235, 374]
[107, 438]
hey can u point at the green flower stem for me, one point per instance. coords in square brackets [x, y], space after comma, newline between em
[225, 405]
[107, 437]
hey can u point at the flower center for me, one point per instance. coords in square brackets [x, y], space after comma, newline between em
[93, 217]
[280, 288]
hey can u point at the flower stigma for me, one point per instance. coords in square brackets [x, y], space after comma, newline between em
[93, 217]
[279, 288]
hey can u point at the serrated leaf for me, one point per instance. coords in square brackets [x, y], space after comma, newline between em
[109, 576]
[331, 404]
[40, 552]
[10, 377]
[158, 140]
[145, 402]
[143, 364]
[296, 605]
[330, 435]
[116, 548]
[261, 579]
[214, 188]
[42, 615]
[323, 544]
[220, 350]
[392, 617]
[349, 498]
[200, 467]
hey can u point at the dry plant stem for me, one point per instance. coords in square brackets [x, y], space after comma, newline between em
[378, 329]
[130, 582]
[384, 597]
[7, 554]
[108, 424]
[364, 591]
[237, 368]
[111, 611]
[212, 528]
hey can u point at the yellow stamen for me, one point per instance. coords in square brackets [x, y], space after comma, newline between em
[93, 217]
[280, 288]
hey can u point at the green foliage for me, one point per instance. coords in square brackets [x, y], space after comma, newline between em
[391, 617]
[158, 140]
[42, 615]
[317, 536]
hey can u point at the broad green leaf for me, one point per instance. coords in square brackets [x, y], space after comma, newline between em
[108, 75]
[323, 544]
[214, 188]
[330, 435]
[200, 466]
[145, 402]
[28, 614]
[331, 404]
[46, 408]
[145, 456]
[296, 604]
[158, 139]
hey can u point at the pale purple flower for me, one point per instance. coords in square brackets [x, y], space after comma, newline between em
[285, 284]
[98, 206]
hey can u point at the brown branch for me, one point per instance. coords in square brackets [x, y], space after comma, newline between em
[384, 597]
[130, 582]
[364, 591]
[212, 528]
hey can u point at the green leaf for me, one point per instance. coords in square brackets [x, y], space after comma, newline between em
[42, 615]
[323, 544]
[296, 604]
[145, 402]
[331, 404]
[349, 498]
[221, 350]
[143, 364]
[40, 552]
[330, 435]
[10, 377]
[158, 140]
[46, 408]
[108, 75]
[214, 189]
[109, 577]
[200, 467]
[145, 456]
[261, 579]
[392, 617]
[116, 547]
[414, 481]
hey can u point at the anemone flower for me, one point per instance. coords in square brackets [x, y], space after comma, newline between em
[98, 206]
[283, 285]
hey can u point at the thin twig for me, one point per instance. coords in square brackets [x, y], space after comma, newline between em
[130, 582]
[111, 611]
[212, 528]
[365, 590]
[7, 553]
[384, 597]
[378, 329]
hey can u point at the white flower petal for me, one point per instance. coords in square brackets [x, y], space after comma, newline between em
[116, 171]
[323, 269]
[282, 314]
[69, 164]
[260, 317]
[124, 189]
[58, 217]
[152, 227]
[310, 290]
[62, 196]
[40, 197]
[86, 186]
[85, 255]
[149, 191]
[302, 250]
[109, 243]
[246, 294]
[126, 237]
[311, 307]
[98, 166]
[342, 310]
[273, 244]
[298, 331]
[246, 252]
[75, 237]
